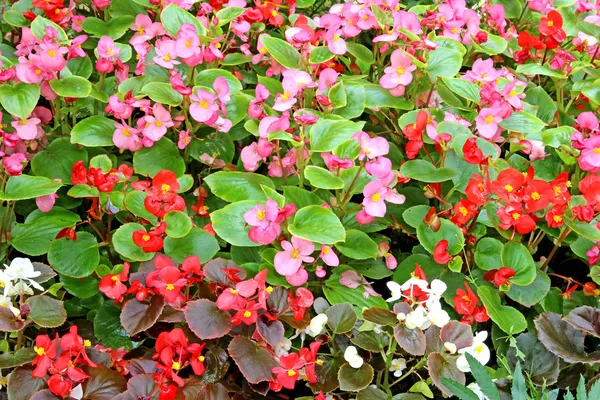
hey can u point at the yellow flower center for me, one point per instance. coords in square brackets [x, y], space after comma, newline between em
[463, 211]
[454, 30]
[550, 23]
[516, 215]
[158, 123]
[291, 372]
[535, 196]
[479, 349]
[376, 197]
[319, 362]
[261, 215]
[247, 314]
[508, 188]
[87, 343]
[23, 122]
[52, 53]
[597, 150]
[218, 45]
[295, 254]
[176, 366]
[145, 237]
[167, 58]
[188, 43]
[557, 218]
[269, 289]
[203, 104]
[141, 30]
[201, 358]
[39, 350]
[110, 51]
[326, 250]
[38, 71]
[512, 93]
[273, 13]
[126, 132]
[557, 190]
[232, 291]
[170, 286]
[489, 119]
[165, 188]
[336, 38]
[285, 96]
[400, 70]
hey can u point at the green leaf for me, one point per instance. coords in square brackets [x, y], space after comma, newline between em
[93, 131]
[164, 154]
[322, 178]
[378, 97]
[72, 86]
[283, 52]
[448, 231]
[523, 122]
[228, 14]
[56, 161]
[517, 257]
[20, 357]
[494, 45]
[358, 245]
[229, 224]
[483, 378]
[327, 134]
[584, 229]
[39, 25]
[19, 99]
[317, 224]
[46, 311]
[319, 55]
[444, 62]
[360, 52]
[341, 318]
[123, 243]
[337, 95]
[546, 106]
[512, 8]
[355, 104]
[459, 390]
[39, 230]
[336, 293]
[81, 287]
[108, 329]
[24, 187]
[163, 93]
[207, 78]
[530, 295]
[488, 253]
[509, 319]
[518, 389]
[178, 223]
[197, 242]
[424, 171]
[15, 18]
[236, 59]
[235, 186]
[116, 26]
[75, 258]
[463, 88]
[536, 69]
[355, 379]
[172, 17]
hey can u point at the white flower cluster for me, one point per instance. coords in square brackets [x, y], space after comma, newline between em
[426, 313]
[17, 279]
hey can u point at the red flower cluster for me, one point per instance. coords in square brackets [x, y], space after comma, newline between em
[96, 178]
[465, 303]
[551, 35]
[112, 284]
[174, 353]
[290, 367]
[169, 280]
[152, 241]
[440, 253]
[62, 361]
[500, 276]
[53, 9]
[162, 194]
[414, 134]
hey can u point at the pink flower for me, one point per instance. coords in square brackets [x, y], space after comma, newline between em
[26, 129]
[250, 157]
[165, 53]
[284, 101]
[14, 163]
[333, 162]
[75, 49]
[178, 84]
[375, 193]
[263, 221]
[483, 71]
[487, 122]
[187, 43]
[327, 78]
[587, 120]
[371, 147]
[272, 124]
[145, 29]
[107, 49]
[203, 107]
[589, 159]
[535, 149]
[254, 108]
[222, 89]
[126, 137]
[76, 22]
[289, 261]
[512, 96]
[390, 260]
[399, 73]
[157, 124]
[51, 56]
[335, 43]
[299, 278]
[328, 256]
[184, 139]
[45, 203]
[32, 70]
[380, 168]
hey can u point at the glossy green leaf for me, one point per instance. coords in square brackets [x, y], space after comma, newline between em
[95, 131]
[75, 258]
[424, 171]
[322, 178]
[197, 242]
[19, 99]
[317, 224]
[283, 52]
[235, 186]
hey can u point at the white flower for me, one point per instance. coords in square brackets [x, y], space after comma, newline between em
[437, 288]
[351, 355]
[417, 319]
[414, 281]
[398, 365]
[316, 325]
[5, 283]
[478, 350]
[283, 348]
[21, 269]
[6, 302]
[477, 390]
[450, 347]
[591, 40]
[437, 316]
[395, 290]
[77, 392]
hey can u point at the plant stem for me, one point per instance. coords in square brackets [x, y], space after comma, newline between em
[560, 239]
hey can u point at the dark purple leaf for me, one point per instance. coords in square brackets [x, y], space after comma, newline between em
[254, 362]
[562, 339]
[137, 316]
[434, 343]
[541, 365]
[194, 390]
[585, 318]
[46, 311]
[341, 318]
[380, 316]
[44, 395]
[172, 315]
[271, 331]
[142, 386]
[206, 320]
[458, 333]
[139, 366]
[355, 379]
[216, 363]
[8, 321]
[96, 355]
[21, 386]
[327, 374]
[213, 270]
[104, 383]
[412, 341]
[47, 272]
[439, 367]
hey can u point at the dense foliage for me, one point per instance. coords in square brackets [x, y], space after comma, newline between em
[236, 200]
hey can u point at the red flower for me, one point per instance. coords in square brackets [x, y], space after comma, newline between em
[550, 24]
[472, 152]
[554, 217]
[415, 131]
[246, 313]
[590, 189]
[168, 281]
[512, 215]
[45, 349]
[500, 276]
[560, 189]
[287, 372]
[59, 385]
[79, 174]
[197, 359]
[508, 184]
[68, 233]
[476, 190]
[480, 314]
[536, 195]
[103, 182]
[310, 357]
[166, 182]
[47, 5]
[583, 213]
[64, 364]
[440, 253]
[150, 242]
[432, 220]
[464, 210]
[299, 304]
[465, 302]
[112, 285]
